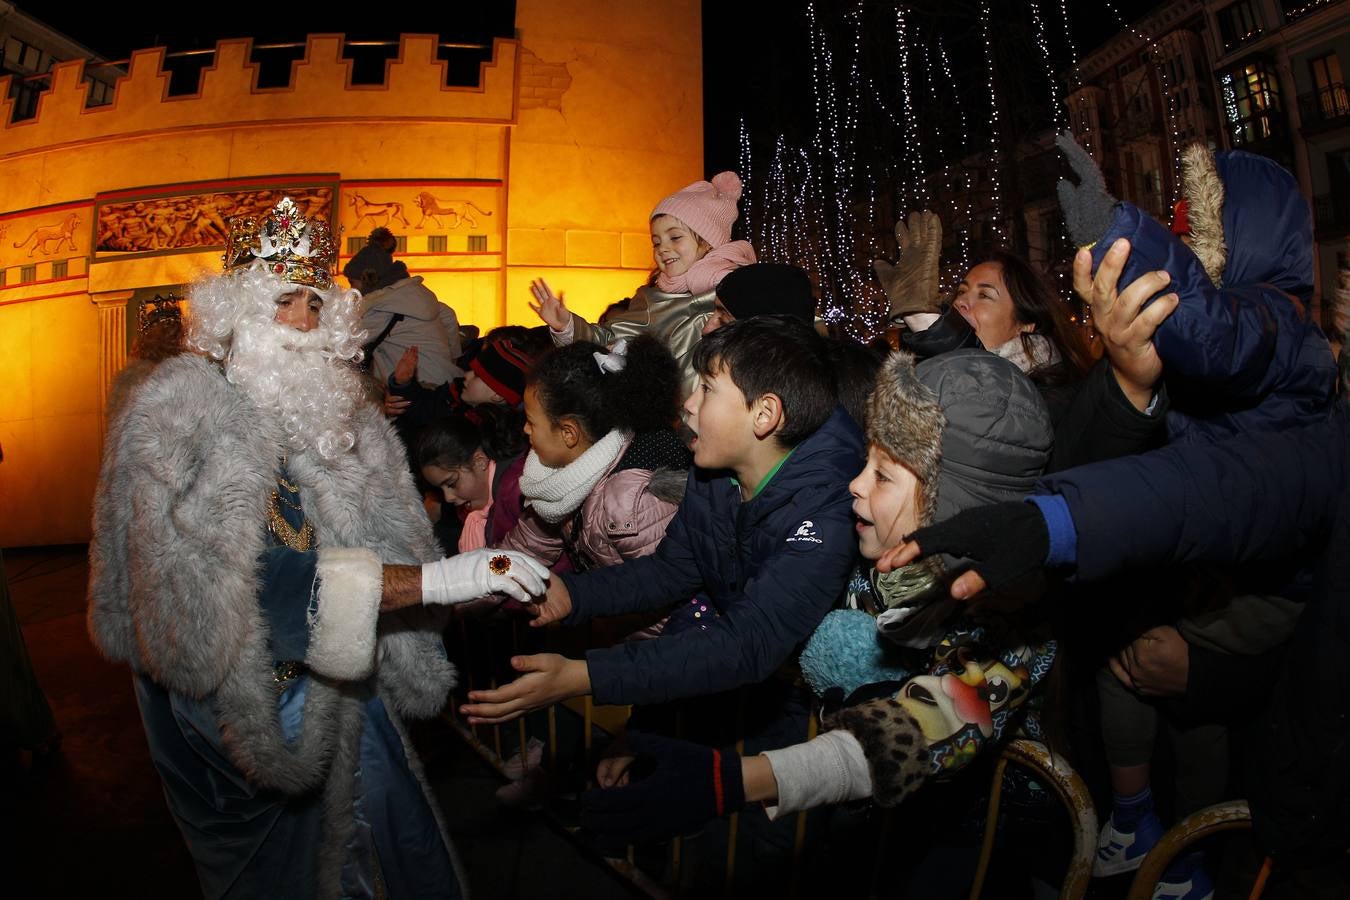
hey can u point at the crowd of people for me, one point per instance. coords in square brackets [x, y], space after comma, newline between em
[981, 525]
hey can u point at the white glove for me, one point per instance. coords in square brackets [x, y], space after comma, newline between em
[478, 573]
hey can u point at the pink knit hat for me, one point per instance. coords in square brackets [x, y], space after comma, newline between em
[707, 207]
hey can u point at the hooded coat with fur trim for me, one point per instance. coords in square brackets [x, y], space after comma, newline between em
[174, 578]
[1240, 353]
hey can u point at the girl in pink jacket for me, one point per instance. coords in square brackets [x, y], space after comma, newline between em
[605, 470]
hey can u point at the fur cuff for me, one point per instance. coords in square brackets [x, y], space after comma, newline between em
[342, 628]
[896, 750]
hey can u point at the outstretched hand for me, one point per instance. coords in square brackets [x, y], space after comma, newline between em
[554, 606]
[548, 679]
[1123, 320]
[551, 307]
[1006, 542]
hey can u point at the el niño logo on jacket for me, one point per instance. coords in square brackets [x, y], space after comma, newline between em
[805, 534]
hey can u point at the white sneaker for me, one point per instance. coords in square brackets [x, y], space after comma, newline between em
[1121, 851]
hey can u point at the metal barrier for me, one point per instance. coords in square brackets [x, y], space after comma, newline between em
[574, 730]
[1230, 816]
[1073, 793]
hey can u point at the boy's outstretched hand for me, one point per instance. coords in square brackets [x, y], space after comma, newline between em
[554, 606]
[548, 679]
[551, 307]
[1006, 541]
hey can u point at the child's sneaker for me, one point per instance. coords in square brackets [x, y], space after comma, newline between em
[1124, 851]
[1185, 879]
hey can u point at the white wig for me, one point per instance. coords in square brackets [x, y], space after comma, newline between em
[307, 380]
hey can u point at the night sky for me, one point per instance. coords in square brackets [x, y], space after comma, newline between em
[756, 56]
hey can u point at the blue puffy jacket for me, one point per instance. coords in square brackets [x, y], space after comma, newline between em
[1244, 356]
[1260, 497]
[765, 570]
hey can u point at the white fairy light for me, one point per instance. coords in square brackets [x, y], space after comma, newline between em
[995, 154]
[1169, 95]
[1044, 46]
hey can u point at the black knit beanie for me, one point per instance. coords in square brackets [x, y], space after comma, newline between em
[767, 289]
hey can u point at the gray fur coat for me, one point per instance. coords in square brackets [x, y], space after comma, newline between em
[174, 576]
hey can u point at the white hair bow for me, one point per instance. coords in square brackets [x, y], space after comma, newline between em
[615, 359]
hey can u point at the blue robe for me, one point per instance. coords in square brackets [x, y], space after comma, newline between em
[249, 842]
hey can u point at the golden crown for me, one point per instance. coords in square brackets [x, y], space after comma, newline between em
[299, 250]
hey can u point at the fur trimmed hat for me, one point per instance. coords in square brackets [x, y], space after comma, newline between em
[707, 207]
[905, 419]
[970, 426]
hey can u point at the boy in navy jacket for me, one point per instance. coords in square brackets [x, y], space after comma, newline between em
[763, 540]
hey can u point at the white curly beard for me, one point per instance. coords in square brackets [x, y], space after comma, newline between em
[291, 376]
[303, 380]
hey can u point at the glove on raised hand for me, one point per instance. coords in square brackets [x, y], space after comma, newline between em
[1006, 541]
[1088, 206]
[685, 785]
[477, 573]
[912, 283]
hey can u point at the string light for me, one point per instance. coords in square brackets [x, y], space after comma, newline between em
[1045, 60]
[1169, 95]
[963, 229]
[747, 179]
[815, 204]
[913, 146]
[995, 152]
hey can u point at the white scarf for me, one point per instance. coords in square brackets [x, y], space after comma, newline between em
[1043, 353]
[556, 493]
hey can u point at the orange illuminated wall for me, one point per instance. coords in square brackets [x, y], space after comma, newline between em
[549, 166]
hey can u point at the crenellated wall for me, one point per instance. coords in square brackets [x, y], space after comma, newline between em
[548, 167]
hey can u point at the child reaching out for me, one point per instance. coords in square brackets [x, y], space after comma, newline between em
[693, 252]
[605, 469]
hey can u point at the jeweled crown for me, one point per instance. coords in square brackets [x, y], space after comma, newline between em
[299, 250]
[160, 309]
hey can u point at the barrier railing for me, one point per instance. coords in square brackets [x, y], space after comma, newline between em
[573, 732]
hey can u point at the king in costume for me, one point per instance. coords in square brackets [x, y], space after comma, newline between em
[249, 505]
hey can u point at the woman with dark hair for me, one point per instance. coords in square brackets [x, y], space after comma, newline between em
[1101, 408]
[1016, 315]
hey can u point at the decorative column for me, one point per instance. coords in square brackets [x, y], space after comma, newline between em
[112, 341]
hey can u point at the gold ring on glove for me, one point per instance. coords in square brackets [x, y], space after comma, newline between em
[500, 564]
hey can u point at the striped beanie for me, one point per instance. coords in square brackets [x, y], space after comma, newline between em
[502, 366]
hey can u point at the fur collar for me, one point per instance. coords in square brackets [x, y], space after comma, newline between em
[1204, 192]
